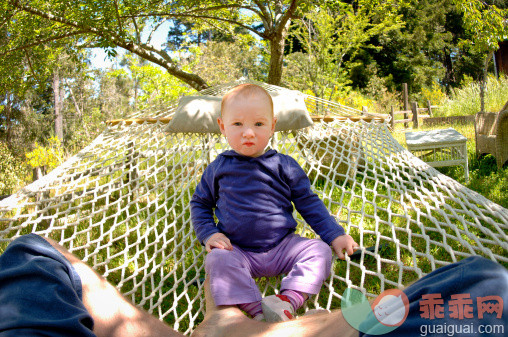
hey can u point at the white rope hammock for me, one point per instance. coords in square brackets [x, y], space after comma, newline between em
[122, 205]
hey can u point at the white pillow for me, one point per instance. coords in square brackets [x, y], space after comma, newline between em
[198, 114]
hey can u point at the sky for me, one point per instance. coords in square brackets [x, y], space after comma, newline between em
[100, 59]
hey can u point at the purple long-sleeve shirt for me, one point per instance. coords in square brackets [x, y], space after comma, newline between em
[252, 198]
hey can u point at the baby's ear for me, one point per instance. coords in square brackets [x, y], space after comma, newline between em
[221, 125]
[273, 124]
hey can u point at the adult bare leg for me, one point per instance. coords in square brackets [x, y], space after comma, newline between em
[113, 314]
[230, 321]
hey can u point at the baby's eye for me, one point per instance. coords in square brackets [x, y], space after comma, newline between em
[237, 124]
[259, 124]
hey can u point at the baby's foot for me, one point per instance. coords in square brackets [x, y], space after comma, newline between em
[277, 308]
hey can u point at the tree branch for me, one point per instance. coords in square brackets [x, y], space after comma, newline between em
[261, 13]
[31, 67]
[118, 17]
[265, 13]
[280, 25]
[265, 16]
[7, 19]
[154, 29]
[161, 53]
[203, 17]
[136, 30]
[76, 105]
[192, 79]
[215, 8]
[37, 43]
[52, 17]
[219, 28]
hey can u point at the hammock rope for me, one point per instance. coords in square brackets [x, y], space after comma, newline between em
[122, 206]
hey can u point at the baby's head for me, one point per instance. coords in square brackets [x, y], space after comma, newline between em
[246, 91]
[247, 119]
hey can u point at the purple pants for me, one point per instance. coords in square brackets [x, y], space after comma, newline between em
[306, 263]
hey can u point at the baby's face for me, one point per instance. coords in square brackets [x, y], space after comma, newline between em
[248, 124]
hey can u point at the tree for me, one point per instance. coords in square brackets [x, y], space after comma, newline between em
[28, 71]
[488, 26]
[421, 52]
[330, 34]
[14, 83]
[58, 94]
[78, 24]
[152, 85]
[433, 46]
[221, 62]
[110, 23]
[34, 86]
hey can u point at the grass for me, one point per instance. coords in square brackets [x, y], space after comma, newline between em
[466, 100]
[434, 227]
[484, 176]
[118, 239]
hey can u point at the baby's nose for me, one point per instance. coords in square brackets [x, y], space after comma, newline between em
[248, 132]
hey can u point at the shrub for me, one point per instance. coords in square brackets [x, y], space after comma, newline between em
[12, 171]
[466, 100]
[49, 157]
[434, 94]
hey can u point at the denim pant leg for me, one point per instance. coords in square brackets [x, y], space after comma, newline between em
[475, 276]
[40, 292]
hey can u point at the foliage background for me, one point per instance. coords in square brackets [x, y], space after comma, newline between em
[358, 53]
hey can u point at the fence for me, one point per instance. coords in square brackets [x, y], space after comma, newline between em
[411, 116]
[449, 120]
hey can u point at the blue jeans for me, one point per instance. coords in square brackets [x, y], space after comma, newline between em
[40, 295]
[40, 292]
[455, 300]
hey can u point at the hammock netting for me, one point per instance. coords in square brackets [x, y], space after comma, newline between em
[122, 206]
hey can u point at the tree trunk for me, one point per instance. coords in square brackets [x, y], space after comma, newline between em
[8, 119]
[58, 100]
[136, 90]
[38, 172]
[449, 75]
[482, 94]
[277, 38]
[483, 82]
[74, 100]
[505, 107]
[277, 44]
[276, 58]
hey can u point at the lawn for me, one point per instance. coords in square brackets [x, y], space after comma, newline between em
[484, 176]
[139, 236]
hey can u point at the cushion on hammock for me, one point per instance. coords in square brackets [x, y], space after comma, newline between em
[199, 113]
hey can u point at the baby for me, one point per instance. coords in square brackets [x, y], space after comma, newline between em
[252, 193]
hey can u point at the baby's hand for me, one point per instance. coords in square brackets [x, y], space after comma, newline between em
[343, 242]
[218, 240]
